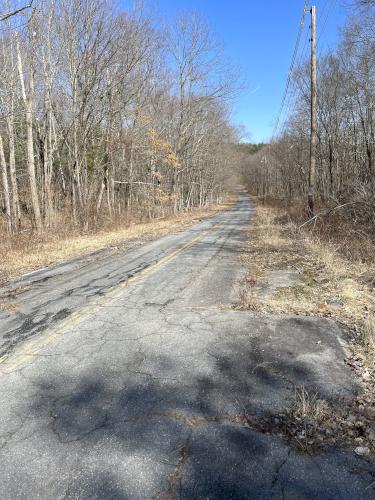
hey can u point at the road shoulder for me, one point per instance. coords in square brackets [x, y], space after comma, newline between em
[289, 272]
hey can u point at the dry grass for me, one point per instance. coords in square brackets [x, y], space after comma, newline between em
[26, 253]
[312, 423]
[308, 406]
[8, 306]
[330, 284]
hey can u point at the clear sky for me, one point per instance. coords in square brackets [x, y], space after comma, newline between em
[259, 36]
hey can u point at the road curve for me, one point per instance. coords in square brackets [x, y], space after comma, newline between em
[125, 376]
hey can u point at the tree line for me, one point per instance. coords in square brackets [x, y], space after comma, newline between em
[106, 113]
[345, 170]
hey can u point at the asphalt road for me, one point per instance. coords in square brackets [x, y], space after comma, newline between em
[123, 376]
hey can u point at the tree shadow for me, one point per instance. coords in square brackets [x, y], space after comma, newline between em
[129, 434]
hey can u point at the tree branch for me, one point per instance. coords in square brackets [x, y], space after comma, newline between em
[4, 17]
[327, 212]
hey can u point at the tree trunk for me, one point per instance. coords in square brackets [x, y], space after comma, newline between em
[28, 102]
[4, 177]
[15, 203]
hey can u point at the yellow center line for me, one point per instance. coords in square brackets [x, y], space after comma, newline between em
[32, 347]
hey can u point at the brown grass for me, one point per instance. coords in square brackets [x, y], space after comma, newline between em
[308, 405]
[330, 283]
[27, 252]
[312, 423]
[334, 280]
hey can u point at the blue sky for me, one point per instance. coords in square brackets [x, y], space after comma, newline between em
[259, 36]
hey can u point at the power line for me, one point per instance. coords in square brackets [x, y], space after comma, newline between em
[331, 7]
[304, 48]
[288, 106]
[326, 11]
[304, 53]
[291, 68]
[291, 101]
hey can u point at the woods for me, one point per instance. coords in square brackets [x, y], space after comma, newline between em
[345, 115]
[107, 114]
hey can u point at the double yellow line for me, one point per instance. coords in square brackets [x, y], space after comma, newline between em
[31, 348]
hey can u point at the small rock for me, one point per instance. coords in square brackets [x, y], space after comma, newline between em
[362, 450]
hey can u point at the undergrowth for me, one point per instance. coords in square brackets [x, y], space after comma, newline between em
[332, 281]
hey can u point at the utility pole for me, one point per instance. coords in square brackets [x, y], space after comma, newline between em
[313, 135]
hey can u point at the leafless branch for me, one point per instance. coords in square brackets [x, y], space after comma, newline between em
[4, 17]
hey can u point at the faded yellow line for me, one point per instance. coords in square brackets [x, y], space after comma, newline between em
[86, 311]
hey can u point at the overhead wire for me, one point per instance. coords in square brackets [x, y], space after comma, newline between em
[325, 16]
[325, 12]
[291, 101]
[330, 9]
[288, 105]
[291, 68]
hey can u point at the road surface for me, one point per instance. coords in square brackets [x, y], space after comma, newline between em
[123, 376]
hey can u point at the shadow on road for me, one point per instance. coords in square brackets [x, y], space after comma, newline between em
[173, 434]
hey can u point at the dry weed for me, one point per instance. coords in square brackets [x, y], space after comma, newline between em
[8, 306]
[367, 329]
[308, 406]
[312, 423]
[331, 285]
[249, 300]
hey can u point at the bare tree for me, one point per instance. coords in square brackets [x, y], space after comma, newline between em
[346, 130]
[108, 117]
[27, 92]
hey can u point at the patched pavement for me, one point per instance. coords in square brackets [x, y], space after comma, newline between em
[125, 376]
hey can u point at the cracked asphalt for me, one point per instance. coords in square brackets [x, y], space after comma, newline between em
[123, 376]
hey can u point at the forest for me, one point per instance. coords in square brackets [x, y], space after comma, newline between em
[345, 170]
[108, 114]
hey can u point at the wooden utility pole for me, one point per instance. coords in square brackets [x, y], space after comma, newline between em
[313, 136]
